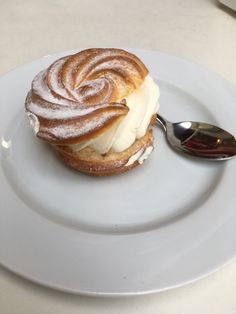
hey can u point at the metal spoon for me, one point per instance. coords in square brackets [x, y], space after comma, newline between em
[199, 139]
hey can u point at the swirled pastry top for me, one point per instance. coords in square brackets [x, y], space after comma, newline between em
[81, 96]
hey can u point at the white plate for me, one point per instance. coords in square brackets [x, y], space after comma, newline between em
[167, 223]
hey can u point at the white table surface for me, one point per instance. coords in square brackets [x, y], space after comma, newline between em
[198, 30]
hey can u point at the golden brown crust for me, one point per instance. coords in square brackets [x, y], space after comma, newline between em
[89, 161]
[80, 96]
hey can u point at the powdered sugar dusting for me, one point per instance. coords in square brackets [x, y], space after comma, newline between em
[53, 76]
[64, 131]
[41, 89]
[51, 113]
[92, 88]
[80, 88]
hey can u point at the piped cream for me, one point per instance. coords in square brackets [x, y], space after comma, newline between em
[143, 104]
[34, 122]
[140, 156]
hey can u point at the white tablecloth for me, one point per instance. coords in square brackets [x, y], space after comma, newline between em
[198, 30]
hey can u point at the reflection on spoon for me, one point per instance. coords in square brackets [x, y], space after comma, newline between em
[199, 139]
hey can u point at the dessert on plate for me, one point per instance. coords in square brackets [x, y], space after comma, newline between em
[96, 108]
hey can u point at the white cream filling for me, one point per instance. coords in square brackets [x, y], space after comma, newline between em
[140, 156]
[34, 122]
[142, 103]
[145, 154]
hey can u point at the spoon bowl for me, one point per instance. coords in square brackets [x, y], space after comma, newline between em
[199, 139]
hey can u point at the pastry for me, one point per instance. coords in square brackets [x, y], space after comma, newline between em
[96, 109]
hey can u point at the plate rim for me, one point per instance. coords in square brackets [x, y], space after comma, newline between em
[121, 293]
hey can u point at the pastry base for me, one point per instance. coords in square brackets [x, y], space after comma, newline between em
[92, 163]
